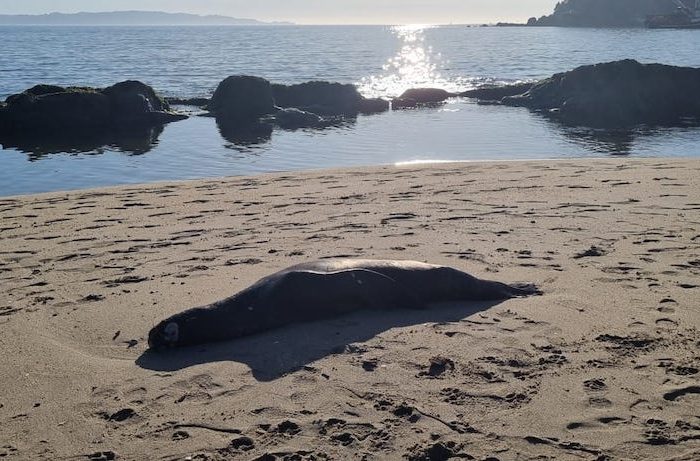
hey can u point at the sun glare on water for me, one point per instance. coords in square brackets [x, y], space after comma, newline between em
[415, 65]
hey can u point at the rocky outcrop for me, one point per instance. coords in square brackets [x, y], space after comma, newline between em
[373, 106]
[618, 94]
[246, 99]
[135, 103]
[495, 92]
[327, 99]
[401, 103]
[46, 110]
[293, 119]
[604, 13]
[194, 102]
[242, 98]
[323, 98]
[426, 95]
[416, 97]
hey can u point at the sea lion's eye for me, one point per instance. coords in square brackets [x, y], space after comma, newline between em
[171, 332]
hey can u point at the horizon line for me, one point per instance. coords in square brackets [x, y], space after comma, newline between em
[490, 22]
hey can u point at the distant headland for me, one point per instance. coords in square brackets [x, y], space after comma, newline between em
[611, 13]
[136, 18]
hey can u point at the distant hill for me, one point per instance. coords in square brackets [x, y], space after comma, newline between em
[132, 18]
[605, 13]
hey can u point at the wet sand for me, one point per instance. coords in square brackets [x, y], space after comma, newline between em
[604, 365]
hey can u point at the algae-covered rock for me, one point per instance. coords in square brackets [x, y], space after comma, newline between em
[46, 109]
[616, 95]
[242, 98]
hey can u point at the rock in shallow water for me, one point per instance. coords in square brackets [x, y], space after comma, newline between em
[614, 95]
[242, 98]
[373, 106]
[292, 119]
[323, 98]
[496, 93]
[195, 102]
[426, 95]
[48, 110]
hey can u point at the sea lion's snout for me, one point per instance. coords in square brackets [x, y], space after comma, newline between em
[164, 335]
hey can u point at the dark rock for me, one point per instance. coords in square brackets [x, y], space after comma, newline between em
[132, 96]
[196, 102]
[242, 98]
[605, 13]
[62, 110]
[488, 102]
[48, 111]
[135, 103]
[373, 106]
[403, 103]
[292, 119]
[617, 94]
[323, 98]
[426, 95]
[496, 93]
[38, 90]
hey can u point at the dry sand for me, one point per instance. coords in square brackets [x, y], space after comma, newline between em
[603, 366]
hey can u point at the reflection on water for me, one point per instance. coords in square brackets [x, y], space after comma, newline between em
[621, 141]
[244, 135]
[198, 148]
[255, 136]
[136, 141]
[608, 142]
[416, 65]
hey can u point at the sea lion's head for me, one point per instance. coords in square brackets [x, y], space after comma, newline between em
[165, 334]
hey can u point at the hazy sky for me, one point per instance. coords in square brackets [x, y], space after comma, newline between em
[310, 11]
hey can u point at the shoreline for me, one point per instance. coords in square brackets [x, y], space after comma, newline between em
[340, 169]
[603, 364]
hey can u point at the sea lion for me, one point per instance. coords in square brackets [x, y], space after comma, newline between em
[324, 289]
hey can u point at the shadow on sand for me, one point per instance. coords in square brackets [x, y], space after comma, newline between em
[275, 353]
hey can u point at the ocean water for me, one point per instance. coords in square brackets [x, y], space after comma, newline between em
[382, 60]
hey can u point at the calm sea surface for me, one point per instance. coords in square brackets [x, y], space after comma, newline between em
[382, 61]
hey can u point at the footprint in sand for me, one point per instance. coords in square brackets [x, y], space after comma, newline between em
[596, 387]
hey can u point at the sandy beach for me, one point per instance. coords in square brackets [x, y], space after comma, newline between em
[603, 366]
